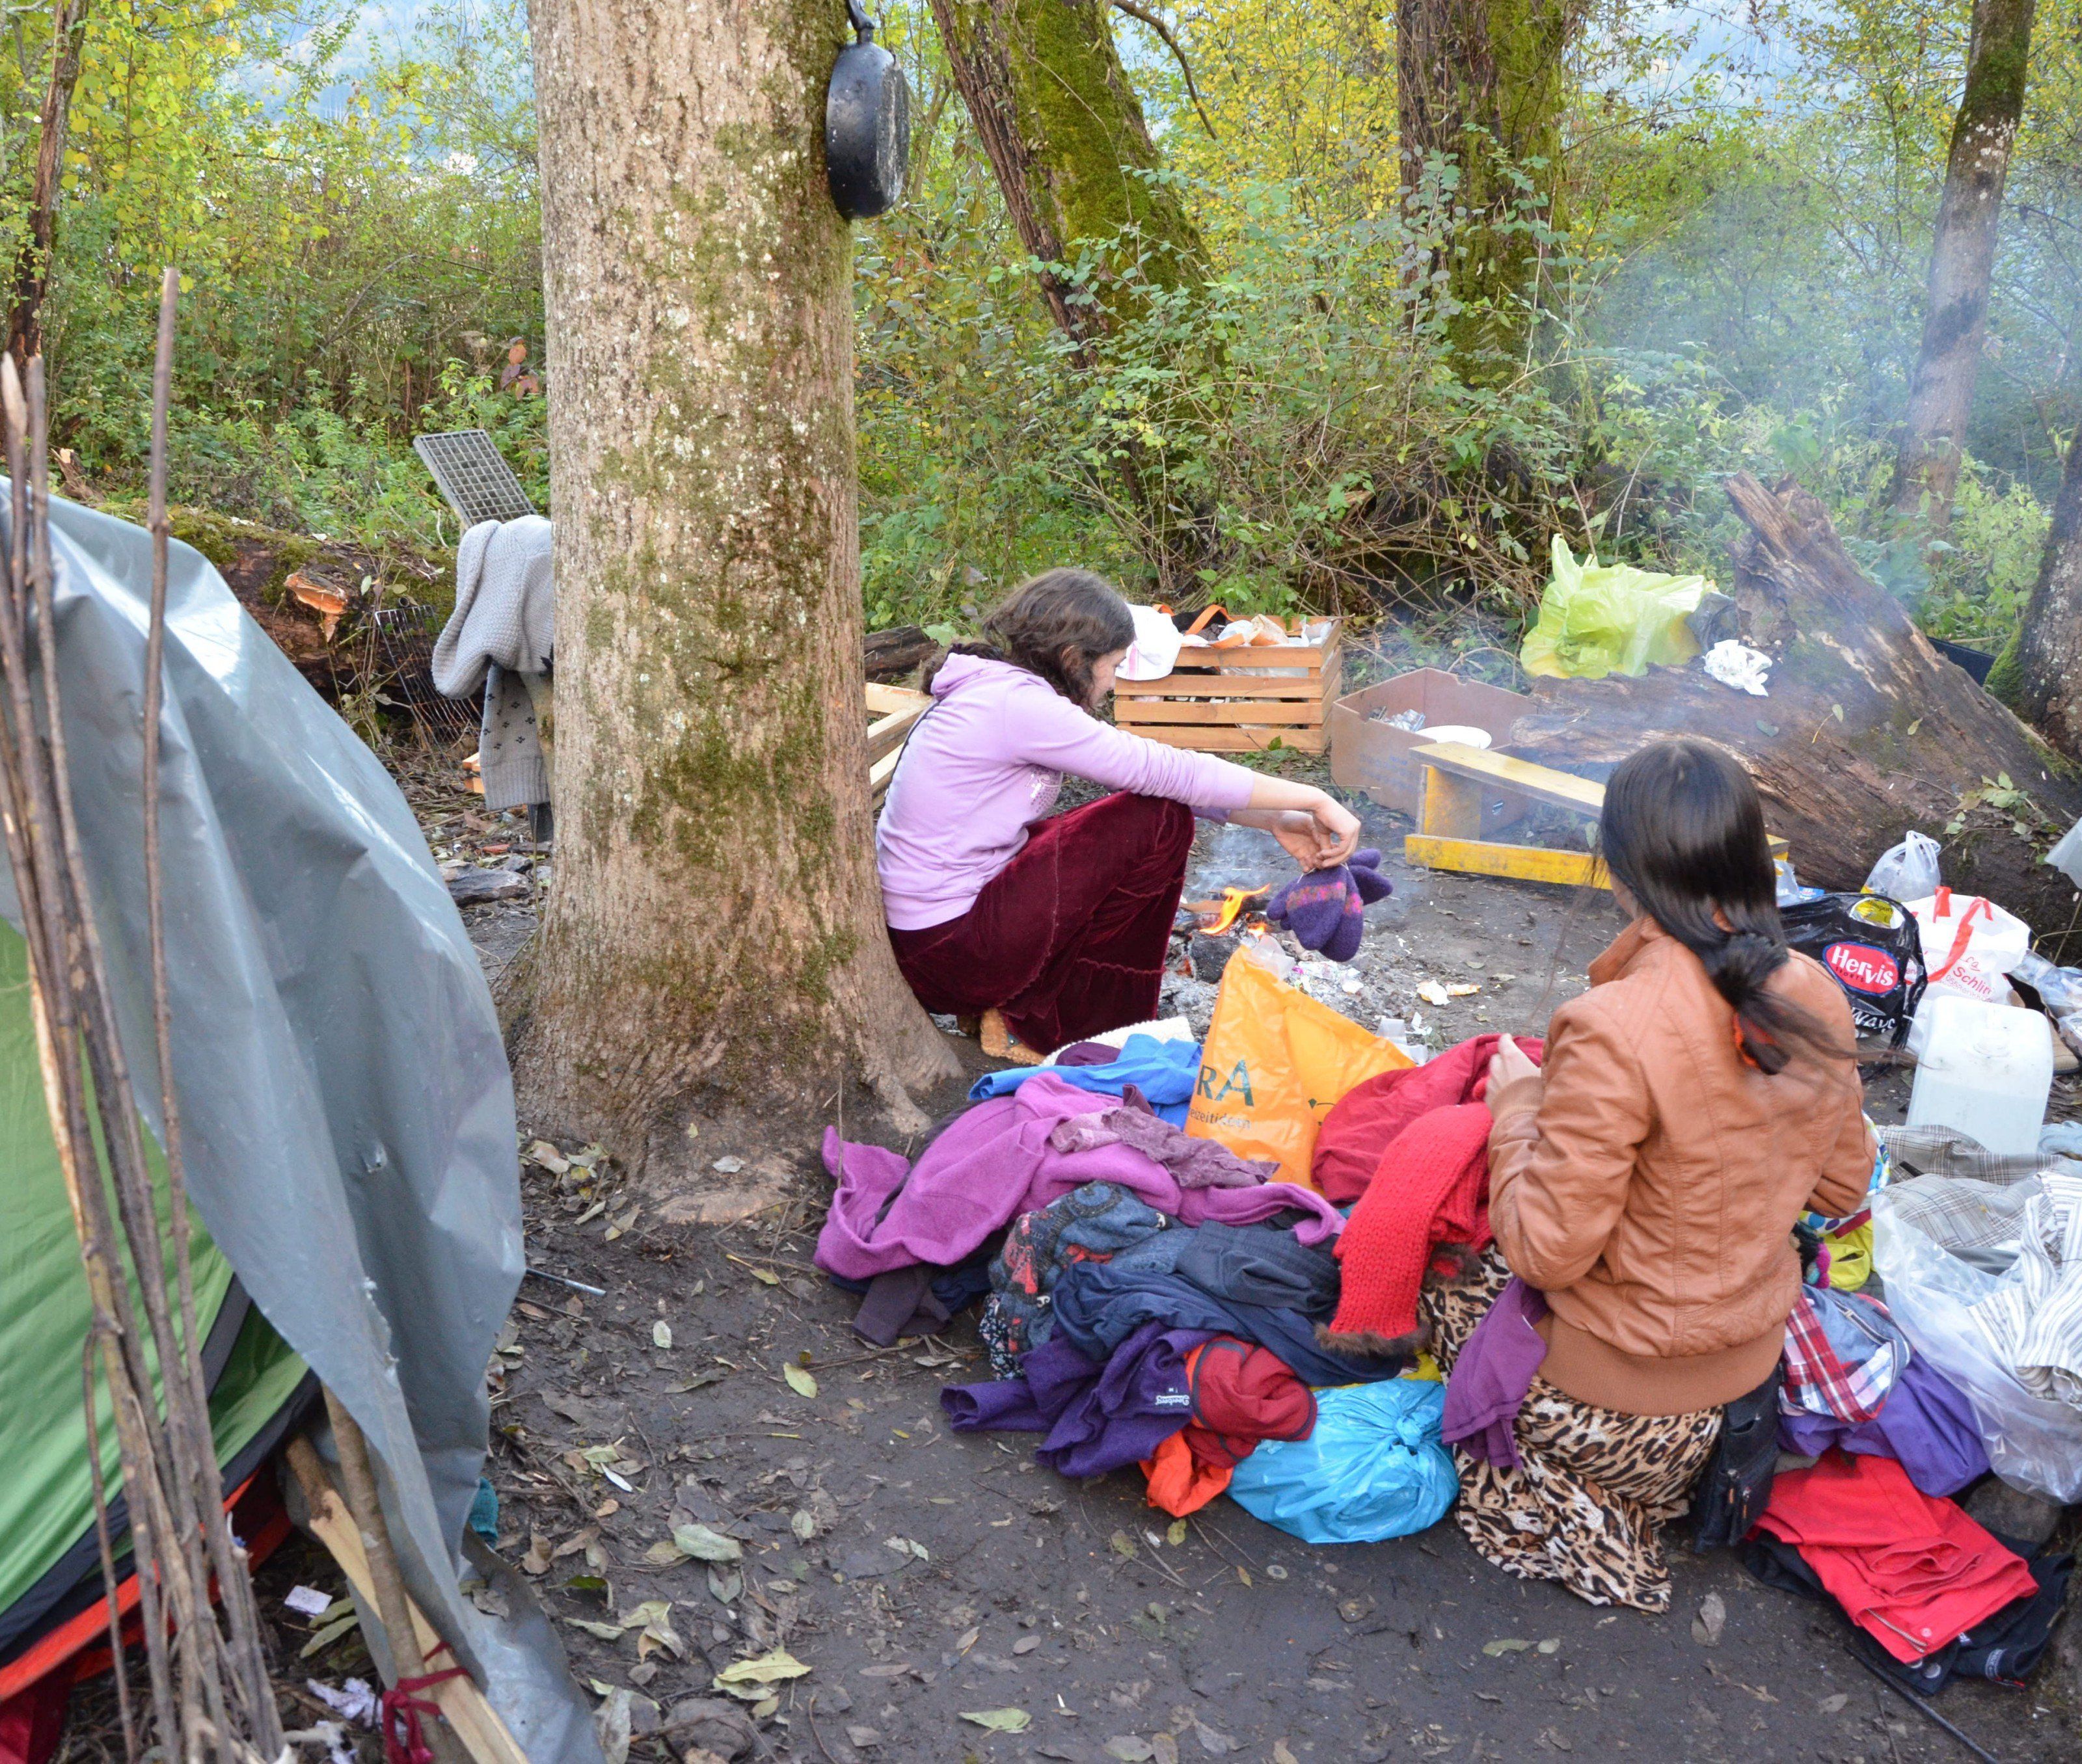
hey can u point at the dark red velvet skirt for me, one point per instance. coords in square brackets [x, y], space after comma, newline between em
[1069, 939]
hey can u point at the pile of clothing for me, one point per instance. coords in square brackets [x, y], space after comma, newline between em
[1874, 1442]
[1153, 1299]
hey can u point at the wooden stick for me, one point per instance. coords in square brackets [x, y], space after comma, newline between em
[470, 1718]
[357, 1477]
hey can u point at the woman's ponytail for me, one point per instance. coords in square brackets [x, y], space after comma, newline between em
[1683, 830]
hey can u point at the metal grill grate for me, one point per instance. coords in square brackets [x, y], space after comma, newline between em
[474, 476]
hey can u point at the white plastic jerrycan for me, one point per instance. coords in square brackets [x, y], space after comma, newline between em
[1986, 1069]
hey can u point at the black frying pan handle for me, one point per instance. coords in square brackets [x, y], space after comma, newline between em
[864, 27]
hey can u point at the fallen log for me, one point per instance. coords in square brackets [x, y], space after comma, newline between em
[893, 653]
[1867, 730]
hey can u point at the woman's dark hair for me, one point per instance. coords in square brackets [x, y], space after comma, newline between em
[1056, 625]
[1683, 829]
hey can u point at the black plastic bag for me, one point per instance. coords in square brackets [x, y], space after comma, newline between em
[1871, 948]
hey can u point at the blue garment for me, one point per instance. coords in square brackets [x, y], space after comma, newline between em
[1099, 1305]
[1373, 1469]
[1164, 1071]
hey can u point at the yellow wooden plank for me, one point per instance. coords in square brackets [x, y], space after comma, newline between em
[1543, 784]
[882, 700]
[1450, 807]
[1523, 863]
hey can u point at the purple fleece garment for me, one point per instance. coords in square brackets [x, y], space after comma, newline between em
[1099, 1415]
[994, 1162]
[1196, 1163]
[1496, 1368]
[987, 761]
[1925, 1423]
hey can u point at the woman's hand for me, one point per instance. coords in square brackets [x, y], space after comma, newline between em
[1321, 835]
[1306, 841]
[1317, 829]
[1515, 1083]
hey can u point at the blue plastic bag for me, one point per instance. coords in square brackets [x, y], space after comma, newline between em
[1373, 1468]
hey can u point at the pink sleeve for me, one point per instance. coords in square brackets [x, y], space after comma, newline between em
[1044, 728]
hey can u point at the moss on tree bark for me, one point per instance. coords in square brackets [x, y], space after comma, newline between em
[1066, 136]
[1962, 257]
[714, 927]
[1480, 95]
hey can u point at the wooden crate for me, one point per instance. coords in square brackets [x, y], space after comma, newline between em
[1239, 700]
[893, 712]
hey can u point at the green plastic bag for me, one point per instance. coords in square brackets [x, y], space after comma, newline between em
[1599, 619]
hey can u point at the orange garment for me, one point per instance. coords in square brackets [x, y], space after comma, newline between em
[1181, 1483]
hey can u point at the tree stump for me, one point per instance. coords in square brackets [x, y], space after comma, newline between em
[1867, 730]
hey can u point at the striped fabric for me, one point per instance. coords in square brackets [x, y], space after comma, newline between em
[2033, 1323]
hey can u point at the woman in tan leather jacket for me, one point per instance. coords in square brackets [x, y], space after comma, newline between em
[1645, 1179]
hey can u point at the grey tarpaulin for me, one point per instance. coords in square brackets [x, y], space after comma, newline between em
[346, 1107]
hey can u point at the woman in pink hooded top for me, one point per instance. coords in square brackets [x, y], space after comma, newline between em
[1053, 928]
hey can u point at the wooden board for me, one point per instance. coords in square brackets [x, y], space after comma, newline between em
[896, 711]
[1540, 783]
[476, 1723]
[1225, 701]
[1229, 738]
[1522, 863]
[1294, 710]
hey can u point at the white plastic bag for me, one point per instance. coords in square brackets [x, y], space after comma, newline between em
[2032, 1444]
[1908, 870]
[1970, 945]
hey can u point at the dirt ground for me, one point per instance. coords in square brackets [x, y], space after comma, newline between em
[924, 1578]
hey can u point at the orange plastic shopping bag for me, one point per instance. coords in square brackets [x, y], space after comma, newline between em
[1274, 1062]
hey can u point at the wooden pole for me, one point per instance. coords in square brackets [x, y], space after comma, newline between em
[394, 1608]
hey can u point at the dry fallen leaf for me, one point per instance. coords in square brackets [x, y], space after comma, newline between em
[1280, 1754]
[661, 1334]
[1000, 1720]
[1129, 1749]
[767, 1668]
[538, 1559]
[704, 1545]
[1496, 1649]
[799, 1381]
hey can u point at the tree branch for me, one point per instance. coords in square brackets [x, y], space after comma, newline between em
[1171, 43]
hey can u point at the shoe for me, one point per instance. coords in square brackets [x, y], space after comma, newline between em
[1000, 1043]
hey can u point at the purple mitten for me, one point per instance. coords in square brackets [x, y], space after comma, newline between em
[1326, 908]
[1312, 906]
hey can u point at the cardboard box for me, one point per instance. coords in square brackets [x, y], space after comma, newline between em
[1370, 756]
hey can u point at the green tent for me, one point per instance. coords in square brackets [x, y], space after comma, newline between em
[49, 1564]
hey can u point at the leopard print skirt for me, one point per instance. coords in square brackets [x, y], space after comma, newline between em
[1593, 1486]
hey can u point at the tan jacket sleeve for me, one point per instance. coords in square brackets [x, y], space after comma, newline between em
[1840, 1189]
[1559, 1179]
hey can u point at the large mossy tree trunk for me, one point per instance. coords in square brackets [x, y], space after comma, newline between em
[1866, 730]
[714, 934]
[1067, 139]
[2048, 662]
[1480, 93]
[1962, 257]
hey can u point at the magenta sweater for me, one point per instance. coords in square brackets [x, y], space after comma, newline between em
[987, 762]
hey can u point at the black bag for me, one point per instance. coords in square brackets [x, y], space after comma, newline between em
[1872, 947]
[1737, 1486]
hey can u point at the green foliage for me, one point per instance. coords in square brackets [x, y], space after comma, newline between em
[1736, 283]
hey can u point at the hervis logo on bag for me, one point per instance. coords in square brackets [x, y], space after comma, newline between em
[1862, 967]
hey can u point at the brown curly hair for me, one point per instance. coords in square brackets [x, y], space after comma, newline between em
[1056, 625]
